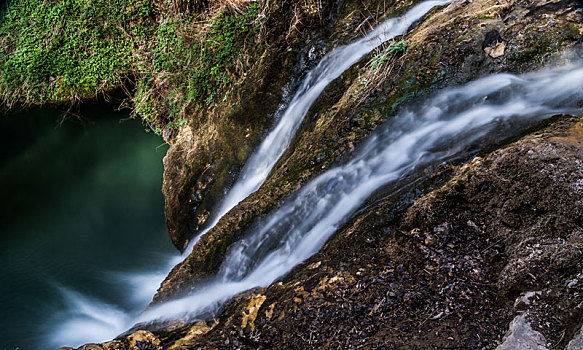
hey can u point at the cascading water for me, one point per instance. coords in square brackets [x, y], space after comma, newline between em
[83, 323]
[328, 69]
[442, 127]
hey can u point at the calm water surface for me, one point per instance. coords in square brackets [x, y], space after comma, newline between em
[81, 208]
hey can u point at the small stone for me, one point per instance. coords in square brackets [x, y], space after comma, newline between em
[312, 53]
[496, 50]
[493, 44]
[314, 265]
[91, 347]
[429, 240]
[572, 283]
[143, 337]
[113, 345]
[522, 336]
[525, 299]
[577, 342]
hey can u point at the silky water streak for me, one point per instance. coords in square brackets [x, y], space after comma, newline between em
[81, 322]
[330, 67]
[442, 127]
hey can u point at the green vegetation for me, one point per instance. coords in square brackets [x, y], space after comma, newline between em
[63, 51]
[192, 64]
[54, 51]
[384, 55]
[380, 64]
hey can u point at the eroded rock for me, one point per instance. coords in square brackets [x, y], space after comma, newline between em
[194, 332]
[114, 345]
[208, 152]
[577, 342]
[250, 314]
[521, 336]
[447, 48]
[143, 340]
[445, 271]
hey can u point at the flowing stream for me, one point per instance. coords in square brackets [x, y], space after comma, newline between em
[443, 126]
[330, 67]
[92, 320]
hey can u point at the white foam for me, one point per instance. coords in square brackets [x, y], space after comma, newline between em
[82, 322]
[443, 126]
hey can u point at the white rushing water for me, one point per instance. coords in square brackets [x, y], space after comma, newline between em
[328, 69]
[440, 128]
[82, 323]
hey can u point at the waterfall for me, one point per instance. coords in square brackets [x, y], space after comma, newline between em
[441, 127]
[81, 322]
[330, 67]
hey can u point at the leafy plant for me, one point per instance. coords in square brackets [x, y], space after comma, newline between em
[384, 55]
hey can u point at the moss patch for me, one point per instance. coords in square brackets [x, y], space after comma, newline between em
[182, 58]
[55, 51]
[192, 62]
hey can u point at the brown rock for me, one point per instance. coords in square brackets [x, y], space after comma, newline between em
[496, 50]
[91, 347]
[140, 338]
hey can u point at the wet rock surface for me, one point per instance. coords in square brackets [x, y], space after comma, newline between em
[492, 257]
[436, 276]
[208, 153]
[439, 274]
[445, 48]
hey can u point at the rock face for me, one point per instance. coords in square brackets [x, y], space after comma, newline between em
[209, 151]
[438, 274]
[445, 48]
[449, 260]
[522, 336]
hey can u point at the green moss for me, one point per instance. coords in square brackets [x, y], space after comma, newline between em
[62, 50]
[197, 61]
[414, 87]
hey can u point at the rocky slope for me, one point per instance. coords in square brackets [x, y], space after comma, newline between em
[450, 46]
[208, 153]
[500, 241]
[448, 260]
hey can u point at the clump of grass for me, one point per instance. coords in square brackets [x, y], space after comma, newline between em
[181, 55]
[192, 62]
[384, 55]
[55, 51]
[379, 68]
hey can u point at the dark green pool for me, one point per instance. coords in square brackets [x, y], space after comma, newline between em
[81, 211]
